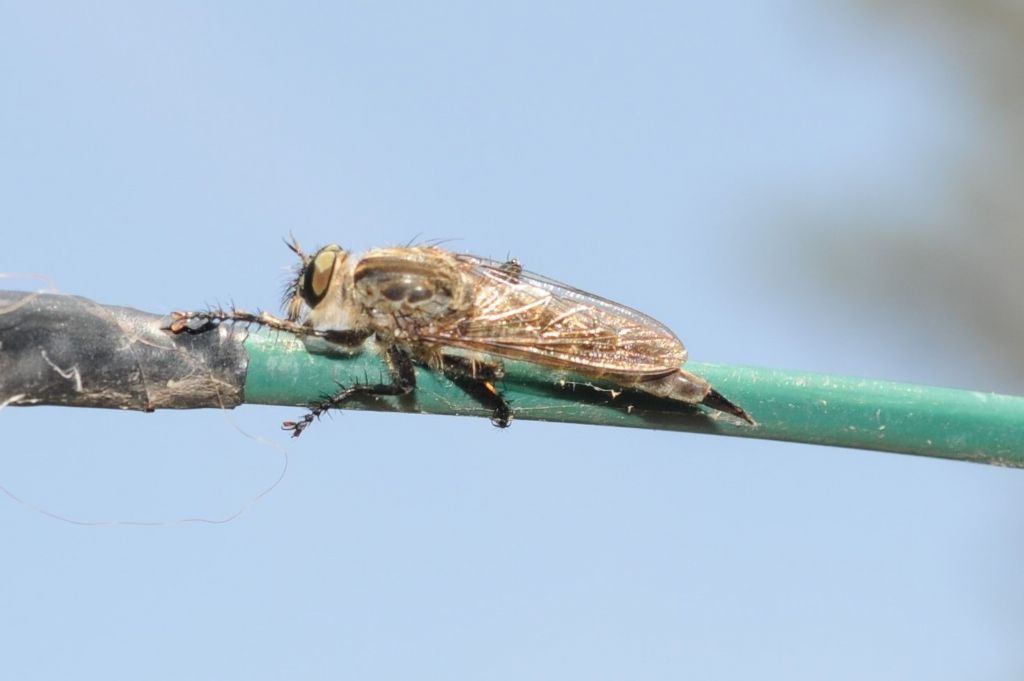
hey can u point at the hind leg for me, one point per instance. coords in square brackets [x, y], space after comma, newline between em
[477, 379]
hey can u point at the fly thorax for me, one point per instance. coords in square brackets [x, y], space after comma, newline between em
[416, 290]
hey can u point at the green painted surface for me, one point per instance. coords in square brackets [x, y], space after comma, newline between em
[788, 405]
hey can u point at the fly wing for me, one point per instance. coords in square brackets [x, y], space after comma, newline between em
[519, 315]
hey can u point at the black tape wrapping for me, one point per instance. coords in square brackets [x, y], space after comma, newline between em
[71, 351]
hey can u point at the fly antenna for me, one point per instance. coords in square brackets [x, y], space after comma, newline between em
[293, 245]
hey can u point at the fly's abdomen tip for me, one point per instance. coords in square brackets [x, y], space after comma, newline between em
[717, 400]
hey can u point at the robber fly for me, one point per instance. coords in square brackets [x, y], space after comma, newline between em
[462, 315]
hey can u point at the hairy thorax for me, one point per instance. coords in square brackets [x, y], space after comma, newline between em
[400, 293]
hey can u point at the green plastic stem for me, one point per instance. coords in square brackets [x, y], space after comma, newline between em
[787, 405]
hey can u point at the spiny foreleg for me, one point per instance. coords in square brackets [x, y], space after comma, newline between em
[201, 322]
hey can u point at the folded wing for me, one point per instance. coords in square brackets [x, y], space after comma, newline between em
[524, 316]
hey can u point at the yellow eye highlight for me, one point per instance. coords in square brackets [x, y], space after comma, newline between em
[322, 269]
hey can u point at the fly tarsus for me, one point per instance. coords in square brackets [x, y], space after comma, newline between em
[502, 415]
[513, 267]
[477, 380]
[403, 382]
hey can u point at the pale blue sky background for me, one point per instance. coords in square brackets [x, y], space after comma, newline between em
[154, 156]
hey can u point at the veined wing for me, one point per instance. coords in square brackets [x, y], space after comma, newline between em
[524, 316]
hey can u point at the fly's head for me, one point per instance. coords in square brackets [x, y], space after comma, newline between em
[291, 299]
[319, 286]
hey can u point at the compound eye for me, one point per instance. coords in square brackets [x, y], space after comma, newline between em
[318, 275]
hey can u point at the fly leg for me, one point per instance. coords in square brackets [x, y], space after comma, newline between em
[201, 322]
[477, 379]
[403, 377]
[513, 268]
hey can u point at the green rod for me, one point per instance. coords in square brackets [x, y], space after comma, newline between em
[787, 405]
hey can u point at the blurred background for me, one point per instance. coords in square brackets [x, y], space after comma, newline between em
[831, 187]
